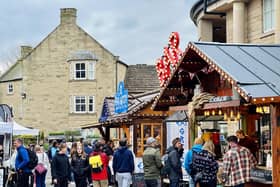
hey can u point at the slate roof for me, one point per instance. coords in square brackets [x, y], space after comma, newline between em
[135, 103]
[141, 78]
[82, 55]
[255, 68]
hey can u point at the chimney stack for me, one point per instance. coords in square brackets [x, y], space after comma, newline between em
[24, 51]
[68, 15]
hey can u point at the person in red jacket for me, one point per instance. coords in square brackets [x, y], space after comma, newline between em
[100, 179]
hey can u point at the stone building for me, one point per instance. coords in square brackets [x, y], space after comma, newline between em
[60, 84]
[237, 21]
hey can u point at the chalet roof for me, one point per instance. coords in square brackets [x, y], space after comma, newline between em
[141, 78]
[253, 70]
[136, 102]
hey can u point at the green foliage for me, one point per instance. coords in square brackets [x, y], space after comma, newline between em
[56, 133]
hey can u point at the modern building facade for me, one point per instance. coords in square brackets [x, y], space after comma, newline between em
[61, 83]
[237, 21]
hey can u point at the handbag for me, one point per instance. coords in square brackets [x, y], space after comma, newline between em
[198, 176]
[40, 168]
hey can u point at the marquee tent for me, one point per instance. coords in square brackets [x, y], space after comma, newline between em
[21, 130]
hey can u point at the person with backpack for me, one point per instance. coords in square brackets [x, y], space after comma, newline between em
[60, 167]
[21, 164]
[123, 164]
[152, 163]
[197, 147]
[99, 162]
[175, 152]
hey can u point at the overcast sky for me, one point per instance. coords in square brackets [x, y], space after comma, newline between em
[136, 31]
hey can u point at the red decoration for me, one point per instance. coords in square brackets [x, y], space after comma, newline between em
[171, 56]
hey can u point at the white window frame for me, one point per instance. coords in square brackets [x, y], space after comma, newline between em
[10, 88]
[91, 104]
[91, 70]
[81, 104]
[268, 15]
[75, 71]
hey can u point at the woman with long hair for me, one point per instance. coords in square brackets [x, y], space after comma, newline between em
[41, 168]
[80, 166]
[205, 166]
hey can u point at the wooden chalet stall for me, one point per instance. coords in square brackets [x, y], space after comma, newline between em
[231, 86]
[136, 124]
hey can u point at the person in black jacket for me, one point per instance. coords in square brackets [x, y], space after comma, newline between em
[80, 166]
[174, 155]
[61, 170]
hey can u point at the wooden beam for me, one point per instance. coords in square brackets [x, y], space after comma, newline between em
[178, 108]
[275, 124]
[225, 104]
[265, 100]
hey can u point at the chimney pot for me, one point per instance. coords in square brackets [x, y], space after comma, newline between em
[68, 15]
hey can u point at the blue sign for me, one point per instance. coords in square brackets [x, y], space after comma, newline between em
[121, 99]
[105, 112]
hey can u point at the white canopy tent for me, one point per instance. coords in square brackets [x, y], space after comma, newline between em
[21, 130]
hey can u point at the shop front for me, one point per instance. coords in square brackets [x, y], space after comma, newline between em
[226, 87]
[136, 123]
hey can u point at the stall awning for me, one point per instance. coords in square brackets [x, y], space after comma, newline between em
[136, 102]
[6, 127]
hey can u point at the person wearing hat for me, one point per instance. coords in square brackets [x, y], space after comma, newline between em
[175, 153]
[152, 163]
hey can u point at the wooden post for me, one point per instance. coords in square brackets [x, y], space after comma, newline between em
[275, 124]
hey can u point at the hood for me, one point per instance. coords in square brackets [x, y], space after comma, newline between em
[171, 148]
[122, 149]
[197, 148]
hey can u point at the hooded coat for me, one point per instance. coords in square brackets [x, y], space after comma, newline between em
[174, 157]
[123, 161]
[188, 159]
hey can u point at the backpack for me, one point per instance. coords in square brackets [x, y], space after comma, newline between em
[33, 159]
[165, 170]
[96, 163]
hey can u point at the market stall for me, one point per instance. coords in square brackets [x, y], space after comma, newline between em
[6, 129]
[225, 87]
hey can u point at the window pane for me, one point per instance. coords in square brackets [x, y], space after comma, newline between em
[91, 103]
[80, 70]
[80, 103]
[91, 67]
[268, 15]
[83, 74]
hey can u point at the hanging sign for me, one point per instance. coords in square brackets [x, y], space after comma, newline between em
[121, 99]
[170, 58]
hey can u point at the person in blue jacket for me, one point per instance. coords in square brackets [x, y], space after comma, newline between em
[22, 159]
[123, 164]
[197, 147]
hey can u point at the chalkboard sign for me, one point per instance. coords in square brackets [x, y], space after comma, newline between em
[261, 175]
[138, 180]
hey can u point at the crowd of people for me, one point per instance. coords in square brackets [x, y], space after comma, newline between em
[82, 164]
[88, 165]
[201, 163]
